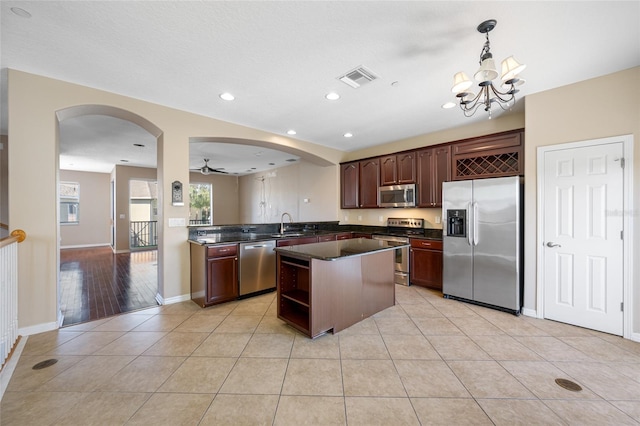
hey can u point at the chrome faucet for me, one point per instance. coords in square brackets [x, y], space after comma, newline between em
[282, 221]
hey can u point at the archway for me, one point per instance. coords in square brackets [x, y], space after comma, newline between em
[118, 256]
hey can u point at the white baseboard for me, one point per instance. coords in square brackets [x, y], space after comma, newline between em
[10, 366]
[170, 300]
[529, 312]
[85, 246]
[39, 328]
[635, 337]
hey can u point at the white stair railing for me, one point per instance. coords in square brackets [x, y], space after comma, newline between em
[9, 292]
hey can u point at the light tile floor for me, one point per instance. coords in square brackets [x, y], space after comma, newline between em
[426, 360]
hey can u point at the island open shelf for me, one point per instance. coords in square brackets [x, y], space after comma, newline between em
[332, 285]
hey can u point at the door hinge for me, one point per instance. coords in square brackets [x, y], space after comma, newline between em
[621, 160]
[622, 235]
[621, 306]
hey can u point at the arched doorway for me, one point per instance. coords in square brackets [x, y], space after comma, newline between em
[103, 149]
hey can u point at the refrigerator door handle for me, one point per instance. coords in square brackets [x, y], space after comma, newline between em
[475, 224]
[469, 220]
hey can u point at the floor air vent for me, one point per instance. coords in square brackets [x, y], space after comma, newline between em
[358, 77]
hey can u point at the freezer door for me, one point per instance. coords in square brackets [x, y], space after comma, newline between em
[457, 251]
[496, 239]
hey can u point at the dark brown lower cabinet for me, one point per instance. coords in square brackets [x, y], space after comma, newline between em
[214, 274]
[426, 263]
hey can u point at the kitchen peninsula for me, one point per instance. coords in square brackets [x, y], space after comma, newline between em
[333, 285]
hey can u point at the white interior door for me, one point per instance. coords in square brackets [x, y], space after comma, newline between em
[582, 230]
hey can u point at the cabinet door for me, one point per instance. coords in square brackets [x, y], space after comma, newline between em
[369, 182]
[349, 185]
[426, 268]
[222, 279]
[425, 178]
[388, 170]
[406, 167]
[441, 172]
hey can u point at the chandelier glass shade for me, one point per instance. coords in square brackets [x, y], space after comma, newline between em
[488, 94]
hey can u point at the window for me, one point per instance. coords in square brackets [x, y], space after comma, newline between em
[200, 205]
[69, 203]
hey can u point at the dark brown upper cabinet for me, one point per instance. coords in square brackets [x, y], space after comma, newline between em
[359, 181]
[398, 169]
[369, 182]
[496, 155]
[434, 167]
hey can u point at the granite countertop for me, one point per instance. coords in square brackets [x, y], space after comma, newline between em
[333, 250]
[236, 236]
[246, 237]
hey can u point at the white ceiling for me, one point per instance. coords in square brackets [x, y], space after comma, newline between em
[279, 59]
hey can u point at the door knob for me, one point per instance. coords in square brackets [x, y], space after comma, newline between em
[550, 244]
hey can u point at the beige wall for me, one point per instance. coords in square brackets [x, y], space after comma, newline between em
[264, 197]
[4, 186]
[226, 197]
[35, 104]
[598, 108]
[93, 229]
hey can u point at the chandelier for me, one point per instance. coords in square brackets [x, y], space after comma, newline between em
[488, 94]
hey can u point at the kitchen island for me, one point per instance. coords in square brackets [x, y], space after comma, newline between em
[332, 285]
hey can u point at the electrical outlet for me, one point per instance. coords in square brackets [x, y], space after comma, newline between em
[380, 218]
[346, 218]
[438, 220]
[359, 218]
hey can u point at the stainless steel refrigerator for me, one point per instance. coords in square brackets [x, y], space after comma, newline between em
[482, 242]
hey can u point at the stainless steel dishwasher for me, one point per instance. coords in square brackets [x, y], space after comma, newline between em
[257, 266]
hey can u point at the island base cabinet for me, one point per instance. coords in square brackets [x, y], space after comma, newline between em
[317, 296]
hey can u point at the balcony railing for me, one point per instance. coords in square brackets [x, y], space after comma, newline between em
[199, 222]
[143, 234]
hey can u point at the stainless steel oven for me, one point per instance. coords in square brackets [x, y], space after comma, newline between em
[401, 272]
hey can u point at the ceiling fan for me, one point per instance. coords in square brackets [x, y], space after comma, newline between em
[205, 170]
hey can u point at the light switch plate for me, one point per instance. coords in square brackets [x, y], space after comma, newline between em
[175, 222]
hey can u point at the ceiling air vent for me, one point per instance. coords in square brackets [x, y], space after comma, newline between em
[358, 77]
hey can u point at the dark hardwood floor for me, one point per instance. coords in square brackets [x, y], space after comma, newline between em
[96, 283]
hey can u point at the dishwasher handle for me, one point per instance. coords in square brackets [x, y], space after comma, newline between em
[257, 246]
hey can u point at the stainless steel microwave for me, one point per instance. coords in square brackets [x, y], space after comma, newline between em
[397, 196]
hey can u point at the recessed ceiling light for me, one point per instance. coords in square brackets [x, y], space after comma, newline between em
[291, 160]
[272, 164]
[124, 161]
[291, 132]
[448, 105]
[333, 96]
[21, 12]
[348, 135]
[227, 96]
